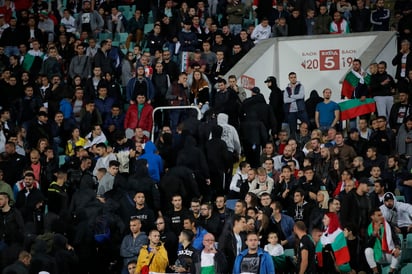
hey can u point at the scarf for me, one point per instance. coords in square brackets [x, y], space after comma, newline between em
[384, 242]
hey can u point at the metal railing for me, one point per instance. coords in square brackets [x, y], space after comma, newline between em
[199, 114]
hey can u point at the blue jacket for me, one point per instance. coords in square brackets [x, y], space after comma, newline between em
[287, 223]
[130, 89]
[197, 242]
[66, 108]
[266, 263]
[153, 160]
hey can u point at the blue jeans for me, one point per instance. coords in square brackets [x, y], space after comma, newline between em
[11, 50]
[176, 116]
[292, 118]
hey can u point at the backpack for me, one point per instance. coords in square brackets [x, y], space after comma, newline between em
[102, 228]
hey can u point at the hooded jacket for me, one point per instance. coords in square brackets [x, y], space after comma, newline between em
[400, 215]
[229, 134]
[192, 157]
[265, 265]
[155, 161]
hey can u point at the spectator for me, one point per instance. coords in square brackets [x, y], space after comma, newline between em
[339, 25]
[232, 241]
[262, 31]
[322, 21]
[306, 250]
[382, 88]
[360, 19]
[376, 252]
[294, 107]
[265, 261]
[89, 20]
[158, 261]
[133, 243]
[380, 17]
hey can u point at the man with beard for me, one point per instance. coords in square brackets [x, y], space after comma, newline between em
[11, 222]
[327, 112]
[89, 20]
[282, 160]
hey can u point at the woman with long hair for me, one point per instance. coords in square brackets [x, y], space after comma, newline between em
[251, 200]
[262, 228]
[75, 141]
[331, 251]
[42, 145]
[127, 68]
[183, 13]
[199, 92]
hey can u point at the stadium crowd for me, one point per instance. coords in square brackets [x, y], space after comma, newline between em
[91, 183]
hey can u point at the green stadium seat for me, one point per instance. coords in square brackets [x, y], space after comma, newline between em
[400, 198]
[127, 11]
[104, 36]
[148, 28]
[409, 241]
[406, 269]
[290, 252]
[121, 37]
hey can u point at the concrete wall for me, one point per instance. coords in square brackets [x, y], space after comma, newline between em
[320, 61]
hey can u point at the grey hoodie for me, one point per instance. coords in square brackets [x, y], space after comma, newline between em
[229, 134]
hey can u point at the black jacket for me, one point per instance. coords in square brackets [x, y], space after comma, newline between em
[11, 226]
[179, 179]
[397, 61]
[253, 131]
[104, 61]
[228, 246]
[257, 104]
[377, 88]
[393, 116]
[192, 157]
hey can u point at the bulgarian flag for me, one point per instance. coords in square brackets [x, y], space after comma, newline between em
[354, 107]
[340, 253]
[351, 81]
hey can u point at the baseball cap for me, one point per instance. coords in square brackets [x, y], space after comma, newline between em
[388, 196]
[269, 79]
[255, 90]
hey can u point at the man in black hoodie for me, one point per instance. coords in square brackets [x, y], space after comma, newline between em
[217, 156]
[257, 104]
[275, 101]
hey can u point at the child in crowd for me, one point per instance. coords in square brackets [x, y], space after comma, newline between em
[273, 247]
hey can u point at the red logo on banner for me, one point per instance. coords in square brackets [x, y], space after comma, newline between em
[329, 59]
[247, 82]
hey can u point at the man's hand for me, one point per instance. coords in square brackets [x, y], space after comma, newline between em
[396, 252]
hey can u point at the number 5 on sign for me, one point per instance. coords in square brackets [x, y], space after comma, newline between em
[329, 59]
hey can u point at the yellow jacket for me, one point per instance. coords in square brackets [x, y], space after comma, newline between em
[159, 262]
[81, 142]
